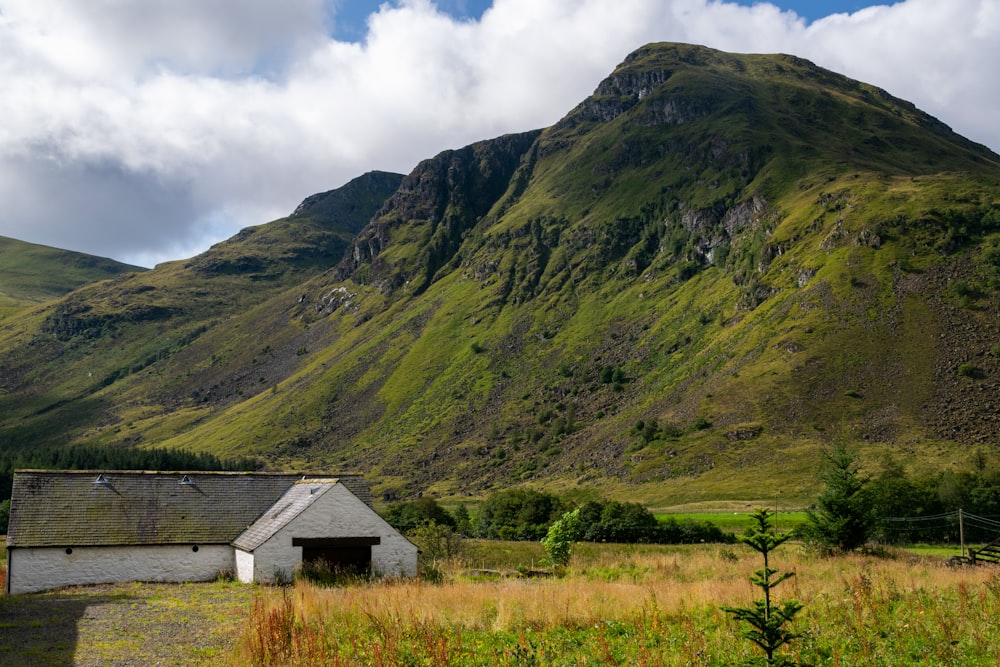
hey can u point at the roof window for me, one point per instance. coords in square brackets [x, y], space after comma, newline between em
[186, 481]
[102, 480]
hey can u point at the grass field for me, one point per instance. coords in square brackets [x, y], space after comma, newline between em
[736, 522]
[645, 605]
[616, 605]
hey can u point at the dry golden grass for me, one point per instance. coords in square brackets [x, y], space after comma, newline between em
[664, 601]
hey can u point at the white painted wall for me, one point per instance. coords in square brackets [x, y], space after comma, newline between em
[39, 569]
[337, 513]
[244, 566]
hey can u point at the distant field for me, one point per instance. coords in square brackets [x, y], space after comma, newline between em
[736, 522]
[938, 550]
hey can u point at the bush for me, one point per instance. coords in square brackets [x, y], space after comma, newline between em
[689, 531]
[969, 370]
[436, 543]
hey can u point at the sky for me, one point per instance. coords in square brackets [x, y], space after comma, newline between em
[146, 130]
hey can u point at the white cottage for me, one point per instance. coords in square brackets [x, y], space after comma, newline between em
[88, 527]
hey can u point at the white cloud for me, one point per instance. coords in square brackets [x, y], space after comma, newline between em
[141, 129]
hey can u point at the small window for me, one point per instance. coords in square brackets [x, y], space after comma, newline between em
[186, 481]
[102, 480]
[195, 548]
[69, 550]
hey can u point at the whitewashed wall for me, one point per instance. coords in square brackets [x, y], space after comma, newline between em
[244, 566]
[338, 513]
[39, 569]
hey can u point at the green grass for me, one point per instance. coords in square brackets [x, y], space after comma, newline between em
[938, 550]
[736, 522]
[33, 274]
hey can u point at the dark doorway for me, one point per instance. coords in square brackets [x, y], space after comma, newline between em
[351, 555]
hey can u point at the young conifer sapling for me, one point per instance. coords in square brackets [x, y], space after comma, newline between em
[766, 619]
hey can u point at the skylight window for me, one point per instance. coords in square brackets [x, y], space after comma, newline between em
[102, 480]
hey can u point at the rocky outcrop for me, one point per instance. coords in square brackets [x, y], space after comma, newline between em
[439, 201]
[352, 204]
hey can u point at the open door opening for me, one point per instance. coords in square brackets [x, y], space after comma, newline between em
[345, 555]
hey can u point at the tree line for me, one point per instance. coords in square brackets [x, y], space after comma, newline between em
[527, 514]
[855, 508]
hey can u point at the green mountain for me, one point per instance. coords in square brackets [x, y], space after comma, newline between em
[708, 271]
[31, 274]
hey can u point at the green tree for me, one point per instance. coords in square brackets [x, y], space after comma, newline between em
[517, 514]
[766, 619]
[844, 516]
[558, 541]
[4, 515]
[408, 515]
[463, 522]
[613, 521]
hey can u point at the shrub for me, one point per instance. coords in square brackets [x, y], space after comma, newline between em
[969, 370]
[701, 423]
[436, 543]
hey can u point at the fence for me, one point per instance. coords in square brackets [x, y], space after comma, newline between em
[956, 527]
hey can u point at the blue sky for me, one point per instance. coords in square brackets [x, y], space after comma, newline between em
[817, 9]
[147, 130]
[351, 14]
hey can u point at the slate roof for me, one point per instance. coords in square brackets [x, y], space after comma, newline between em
[113, 508]
[296, 499]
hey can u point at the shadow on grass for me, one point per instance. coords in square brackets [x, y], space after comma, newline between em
[43, 629]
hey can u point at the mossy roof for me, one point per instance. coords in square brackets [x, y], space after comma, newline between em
[116, 508]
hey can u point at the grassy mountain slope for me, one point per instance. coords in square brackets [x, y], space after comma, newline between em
[706, 272]
[31, 274]
[80, 369]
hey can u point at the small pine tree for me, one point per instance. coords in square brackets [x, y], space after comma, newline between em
[766, 619]
[844, 516]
